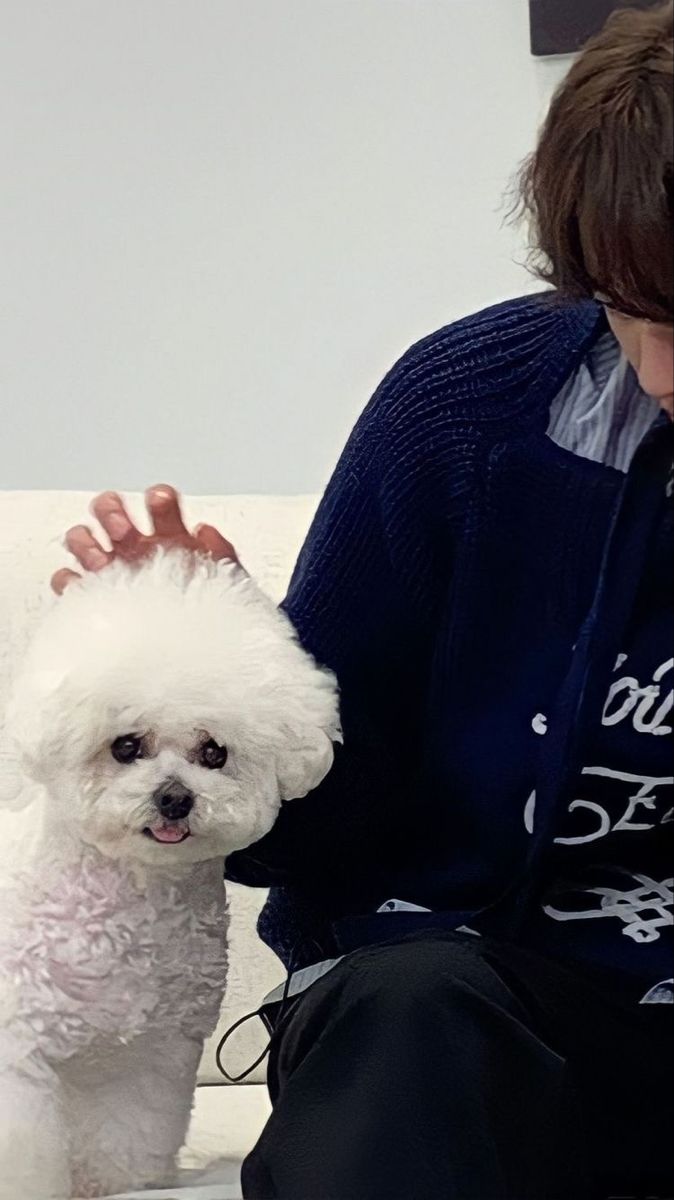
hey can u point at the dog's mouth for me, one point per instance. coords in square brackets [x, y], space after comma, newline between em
[168, 832]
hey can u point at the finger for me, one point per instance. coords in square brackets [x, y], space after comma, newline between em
[210, 541]
[163, 505]
[89, 553]
[61, 579]
[108, 508]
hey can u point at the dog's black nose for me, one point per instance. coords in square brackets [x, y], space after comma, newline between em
[174, 800]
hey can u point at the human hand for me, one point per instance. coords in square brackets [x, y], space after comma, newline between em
[129, 544]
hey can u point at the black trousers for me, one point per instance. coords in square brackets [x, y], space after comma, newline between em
[448, 1067]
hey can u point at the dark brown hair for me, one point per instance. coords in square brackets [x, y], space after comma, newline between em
[599, 188]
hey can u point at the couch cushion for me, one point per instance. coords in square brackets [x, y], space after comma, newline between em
[226, 1123]
[267, 532]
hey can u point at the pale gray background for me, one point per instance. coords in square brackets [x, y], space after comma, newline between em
[222, 220]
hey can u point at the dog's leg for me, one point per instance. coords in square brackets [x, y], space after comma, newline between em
[33, 1138]
[130, 1116]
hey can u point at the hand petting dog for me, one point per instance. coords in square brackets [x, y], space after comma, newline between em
[129, 544]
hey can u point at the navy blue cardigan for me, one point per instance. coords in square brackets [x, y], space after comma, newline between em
[446, 578]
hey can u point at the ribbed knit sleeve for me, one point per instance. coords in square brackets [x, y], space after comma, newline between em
[355, 601]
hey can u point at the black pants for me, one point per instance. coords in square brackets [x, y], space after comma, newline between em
[447, 1067]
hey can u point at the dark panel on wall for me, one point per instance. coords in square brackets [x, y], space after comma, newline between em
[561, 26]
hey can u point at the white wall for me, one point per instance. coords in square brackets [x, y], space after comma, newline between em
[222, 220]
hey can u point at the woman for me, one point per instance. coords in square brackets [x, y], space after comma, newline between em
[485, 875]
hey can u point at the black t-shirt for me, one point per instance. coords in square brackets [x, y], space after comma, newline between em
[608, 899]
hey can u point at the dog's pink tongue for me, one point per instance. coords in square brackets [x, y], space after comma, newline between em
[174, 832]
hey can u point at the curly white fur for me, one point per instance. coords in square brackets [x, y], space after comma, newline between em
[113, 940]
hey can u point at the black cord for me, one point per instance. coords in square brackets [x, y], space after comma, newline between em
[285, 996]
[225, 1038]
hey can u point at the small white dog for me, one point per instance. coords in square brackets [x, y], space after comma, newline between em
[162, 715]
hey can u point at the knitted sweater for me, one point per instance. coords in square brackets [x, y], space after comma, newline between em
[455, 580]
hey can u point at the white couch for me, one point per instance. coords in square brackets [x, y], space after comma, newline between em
[267, 532]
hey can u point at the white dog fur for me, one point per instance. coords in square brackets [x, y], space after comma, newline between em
[113, 943]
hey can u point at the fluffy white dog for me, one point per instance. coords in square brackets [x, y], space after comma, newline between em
[162, 715]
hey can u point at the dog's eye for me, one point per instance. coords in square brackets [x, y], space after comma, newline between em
[212, 756]
[126, 749]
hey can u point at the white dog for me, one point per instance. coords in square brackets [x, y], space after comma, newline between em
[162, 716]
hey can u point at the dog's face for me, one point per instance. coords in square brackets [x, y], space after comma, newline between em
[164, 791]
[168, 713]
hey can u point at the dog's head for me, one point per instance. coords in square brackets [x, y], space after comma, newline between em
[168, 710]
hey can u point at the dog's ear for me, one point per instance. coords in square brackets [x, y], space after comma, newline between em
[301, 766]
[17, 789]
[16, 792]
[32, 734]
[308, 701]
